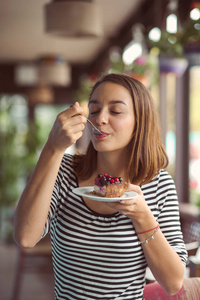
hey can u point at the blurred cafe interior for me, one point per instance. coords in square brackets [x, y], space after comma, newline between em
[51, 53]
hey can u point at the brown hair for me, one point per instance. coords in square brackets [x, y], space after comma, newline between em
[146, 152]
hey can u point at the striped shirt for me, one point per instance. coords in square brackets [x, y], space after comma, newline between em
[97, 256]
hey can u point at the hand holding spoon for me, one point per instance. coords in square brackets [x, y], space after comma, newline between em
[94, 129]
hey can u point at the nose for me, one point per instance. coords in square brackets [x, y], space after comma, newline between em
[102, 118]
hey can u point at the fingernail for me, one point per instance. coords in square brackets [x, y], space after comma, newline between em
[122, 201]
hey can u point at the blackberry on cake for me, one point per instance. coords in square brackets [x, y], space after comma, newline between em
[109, 186]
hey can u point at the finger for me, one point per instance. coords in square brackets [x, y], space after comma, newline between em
[67, 119]
[71, 126]
[76, 103]
[75, 137]
[79, 119]
[78, 128]
[74, 110]
[129, 201]
[135, 188]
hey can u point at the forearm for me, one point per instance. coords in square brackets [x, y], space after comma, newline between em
[33, 206]
[163, 261]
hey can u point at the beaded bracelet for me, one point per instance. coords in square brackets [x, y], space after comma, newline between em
[149, 238]
[148, 230]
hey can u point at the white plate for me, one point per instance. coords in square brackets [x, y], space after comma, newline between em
[85, 192]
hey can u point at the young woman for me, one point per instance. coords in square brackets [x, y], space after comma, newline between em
[101, 249]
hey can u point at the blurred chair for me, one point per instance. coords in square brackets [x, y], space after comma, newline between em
[193, 249]
[37, 259]
[193, 236]
[189, 291]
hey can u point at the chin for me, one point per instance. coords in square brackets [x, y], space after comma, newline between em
[101, 148]
[106, 148]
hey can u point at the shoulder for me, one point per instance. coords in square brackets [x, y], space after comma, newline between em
[67, 159]
[161, 193]
[66, 166]
[66, 171]
[161, 183]
[162, 178]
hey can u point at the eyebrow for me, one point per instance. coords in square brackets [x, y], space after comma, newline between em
[111, 102]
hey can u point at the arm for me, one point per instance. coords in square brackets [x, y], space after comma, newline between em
[33, 207]
[164, 262]
[162, 259]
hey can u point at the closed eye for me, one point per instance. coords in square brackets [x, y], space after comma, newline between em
[115, 112]
[94, 112]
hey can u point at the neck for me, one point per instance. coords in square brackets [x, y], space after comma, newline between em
[112, 163]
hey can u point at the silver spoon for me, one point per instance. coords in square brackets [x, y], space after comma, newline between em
[94, 129]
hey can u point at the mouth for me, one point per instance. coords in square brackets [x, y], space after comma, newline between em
[102, 135]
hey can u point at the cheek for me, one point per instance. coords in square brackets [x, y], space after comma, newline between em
[125, 126]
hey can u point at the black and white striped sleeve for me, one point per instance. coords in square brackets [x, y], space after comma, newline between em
[54, 199]
[168, 216]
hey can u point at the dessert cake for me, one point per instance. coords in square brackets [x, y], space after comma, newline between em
[109, 186]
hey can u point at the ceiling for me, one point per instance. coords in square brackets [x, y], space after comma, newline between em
[23, 37]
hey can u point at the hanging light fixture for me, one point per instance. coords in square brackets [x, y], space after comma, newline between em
[74, 18]
[172, 18]
[54, 71]
[51, 70]
[136, 47]
[40, 94]
[195, 11]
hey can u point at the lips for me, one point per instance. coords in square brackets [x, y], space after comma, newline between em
[102, 135]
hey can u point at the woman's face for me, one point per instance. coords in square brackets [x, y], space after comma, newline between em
[111, 111]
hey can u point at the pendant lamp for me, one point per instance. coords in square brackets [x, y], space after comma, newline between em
[73, 18]
[51, 70]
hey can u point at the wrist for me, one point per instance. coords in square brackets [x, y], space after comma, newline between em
[51, 153]
[50, 148]
[148, 230]
[146, 239]
[145, 222]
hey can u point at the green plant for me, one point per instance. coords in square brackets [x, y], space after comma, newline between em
[18, 154]
[9, 160]
[19, 144]
[169, 44]
[86, 83]
[191, 33]
[139, 66]
[32, 144]
[9, 168]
